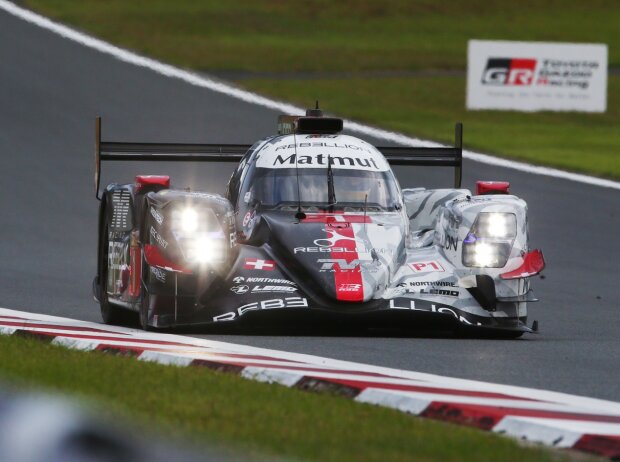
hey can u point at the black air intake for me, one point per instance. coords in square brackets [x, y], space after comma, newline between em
[309, 125]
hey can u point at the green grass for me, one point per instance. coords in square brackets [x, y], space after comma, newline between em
[253, 417]
[323, 35]
[296, 50]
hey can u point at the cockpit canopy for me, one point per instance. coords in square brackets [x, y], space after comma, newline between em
[338, 172]
[279, 189]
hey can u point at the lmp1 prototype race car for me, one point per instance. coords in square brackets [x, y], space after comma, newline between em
[314, 226]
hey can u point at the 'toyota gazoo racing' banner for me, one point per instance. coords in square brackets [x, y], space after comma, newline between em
[533, 76]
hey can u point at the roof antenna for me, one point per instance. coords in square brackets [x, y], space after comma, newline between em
[316, 112]
[299, 215]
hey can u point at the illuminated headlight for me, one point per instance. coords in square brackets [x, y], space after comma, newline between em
[496, 225]
[486, 255]
[489, 242]
[199, 234]
[189, 220]
[205, 249]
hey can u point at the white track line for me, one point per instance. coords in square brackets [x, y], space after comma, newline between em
[252, 98]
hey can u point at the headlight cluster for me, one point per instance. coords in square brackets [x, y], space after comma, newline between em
[489, 242]
[199, 235]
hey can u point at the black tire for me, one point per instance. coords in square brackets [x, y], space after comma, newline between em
[110, 313]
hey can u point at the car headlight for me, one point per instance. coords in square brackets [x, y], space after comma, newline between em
[189, 220]
[204, 249]
[199, 235]
[490, 239]
[496, 225]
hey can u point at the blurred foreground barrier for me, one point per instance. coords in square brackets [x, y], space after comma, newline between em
[43, 428]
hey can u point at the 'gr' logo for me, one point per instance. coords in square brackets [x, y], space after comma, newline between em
[509, 71]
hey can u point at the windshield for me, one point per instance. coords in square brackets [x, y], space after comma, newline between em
[277, 188]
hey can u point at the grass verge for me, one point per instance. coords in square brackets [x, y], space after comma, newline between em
[254, 417]
[298, 50]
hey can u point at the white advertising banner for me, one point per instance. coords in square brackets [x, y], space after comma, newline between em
[534, 76]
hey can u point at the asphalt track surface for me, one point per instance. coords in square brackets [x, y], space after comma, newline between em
[51, 89]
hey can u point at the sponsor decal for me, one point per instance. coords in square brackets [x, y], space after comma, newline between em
[159, 218]
[448, 242]
[322, 144]
[277, 303]
[427, 283]
[258, 264]
[339, 250]
[269, 288]
[239, 289]
[316, 154]
[339, 264]
[349, 287]
[443, 288]
[243, 289]
[339, 240]
[443, 292]
[321, 160]
[246, 219]
[158, 273]
[121, 211]
[271, 281]
[160, 240]
[240, 279]
[551, 72]
[117, 252]
[416, 305]
[509, 71]
[426, 267]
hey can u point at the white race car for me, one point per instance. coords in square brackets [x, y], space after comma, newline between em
[314, 226]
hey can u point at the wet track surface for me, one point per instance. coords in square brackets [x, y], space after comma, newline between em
[51, 89]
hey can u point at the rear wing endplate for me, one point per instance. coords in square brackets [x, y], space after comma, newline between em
[191, 152]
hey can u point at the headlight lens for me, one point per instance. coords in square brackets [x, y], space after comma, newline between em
[489, 242]
[189, 220]
[496, 225]
[205, 249]
[199, 234]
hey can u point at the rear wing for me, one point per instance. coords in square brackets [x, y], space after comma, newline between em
[191, 152]
[431, 157]
[161, 152]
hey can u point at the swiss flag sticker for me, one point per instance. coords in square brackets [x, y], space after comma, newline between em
[255, 263]
[426, 267]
